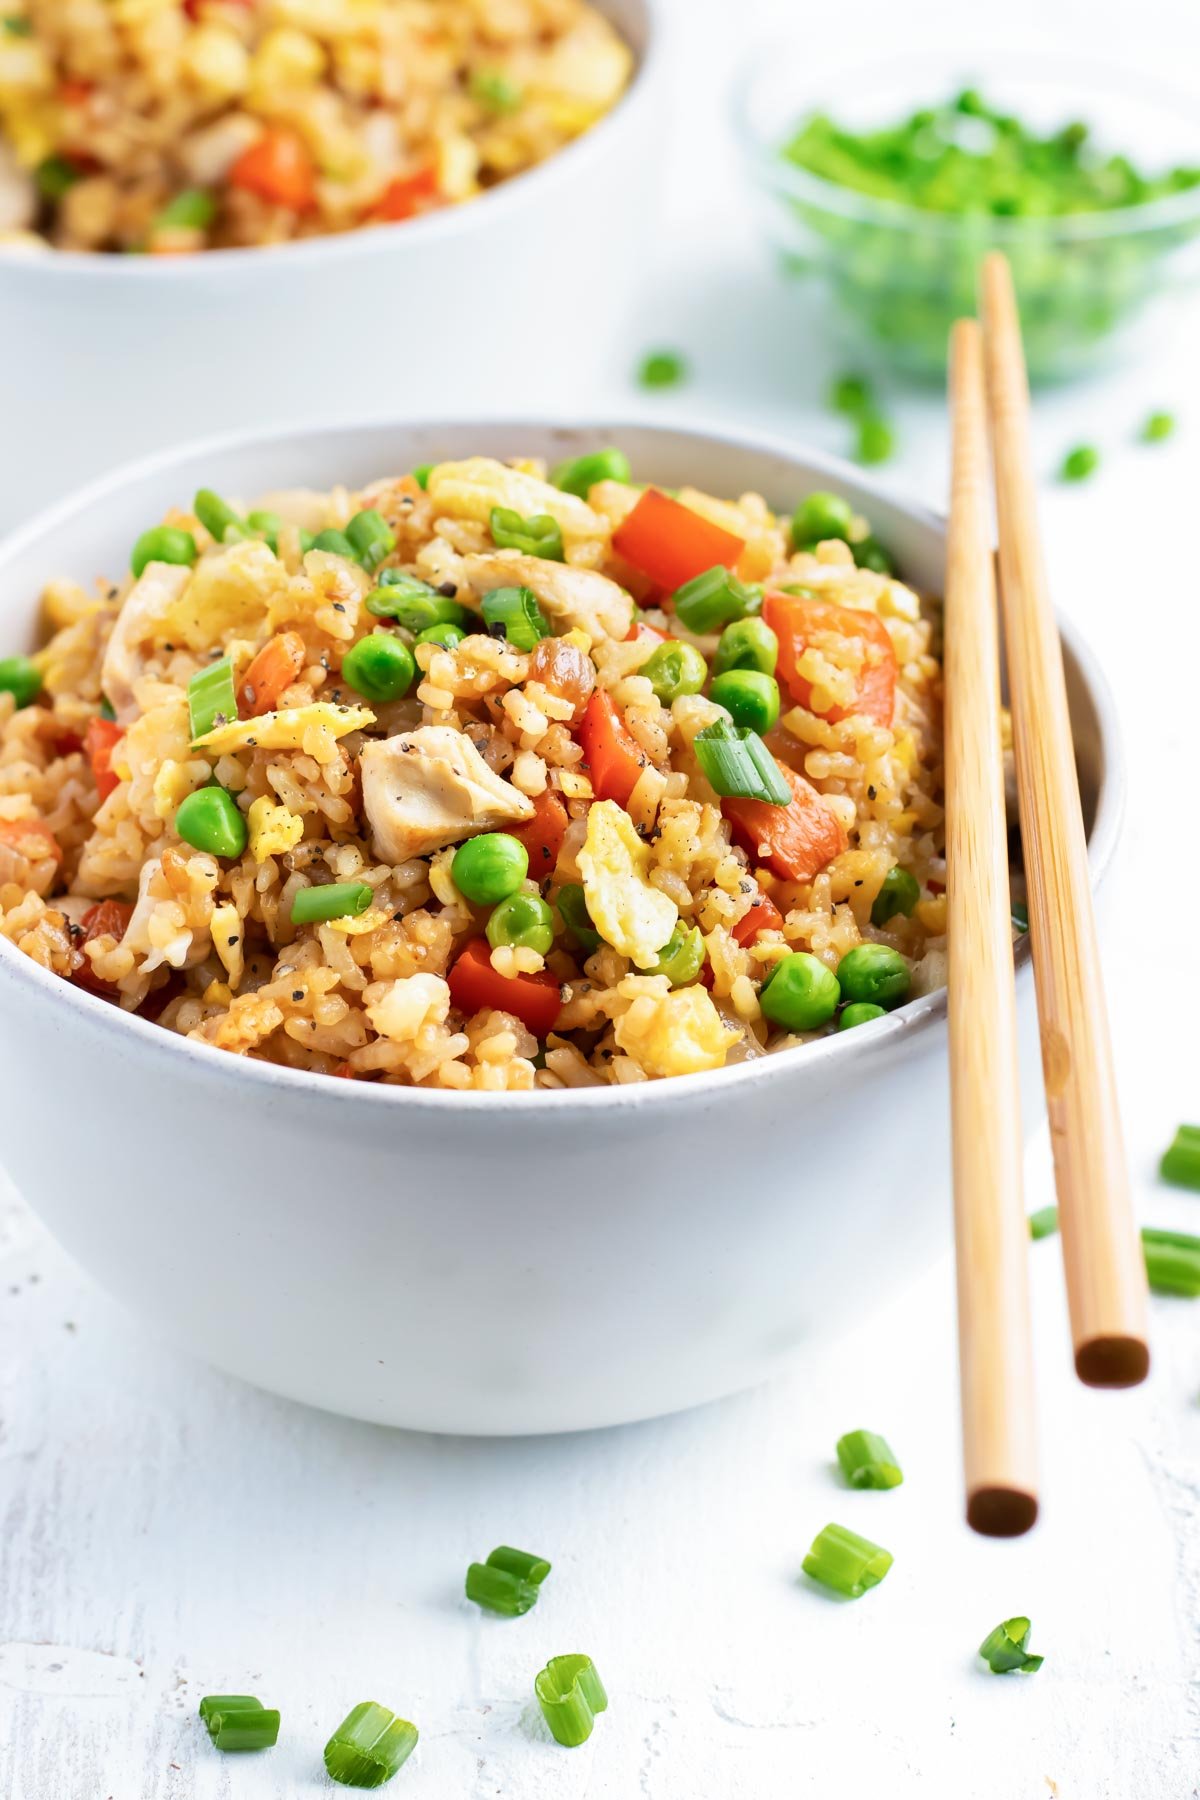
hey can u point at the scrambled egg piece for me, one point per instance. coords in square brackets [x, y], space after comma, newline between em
[229, 593]
[676, 1032]
[427, 788]
[470, 489]
[273, 829]
[290, 729]
[634, 917]
[352, 927]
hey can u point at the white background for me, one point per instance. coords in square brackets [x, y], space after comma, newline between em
[165, 1532]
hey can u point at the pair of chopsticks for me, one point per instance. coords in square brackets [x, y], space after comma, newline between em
[1105, 1275]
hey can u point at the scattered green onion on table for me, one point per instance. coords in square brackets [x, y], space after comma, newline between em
[868, 1461]
[570, 1694]
[369, 1745]
[1172, 1257]
[237, 1722]
[1004, 1649]
[849, 1564]
[508, 1582]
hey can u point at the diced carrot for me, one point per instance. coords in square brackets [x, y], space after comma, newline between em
[796, 841]
[641, 633]
[270, 674]
[279, 169]
[407, 195]
[74, 91]
[543, 835]
[475, 987]
[109, 919]
[670, 543]
[764, 915]
[799, 623]
[103, 736]
[614, 757]
[30, 838]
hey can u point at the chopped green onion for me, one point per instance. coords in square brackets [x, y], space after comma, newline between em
[710, 601]
[335, 543]
[369, 1746]
[1172, 1262]
[445, 634]
[845, 1562]
[1158, 426]
[508, 1581]
[1003, 1650]
[1181, 1163]
[868, 1461]
[1172, 1258]
[570, 1694]
[372, 538]
[580, 474]
[414, 604]
[682, 956]
[16, 26]
[191, 210]
[268, 525]
[239, 1722]
[422, 472]
[538, 535]
[217, 516]
[521, 1563]
[107, 709]
[336, 900]
[20, 677]
[495, 90]
[737, 763]
[661, 369]
[1019, 913]
[572, 910]
[512, 613]
[1079, 463]
[211, 698]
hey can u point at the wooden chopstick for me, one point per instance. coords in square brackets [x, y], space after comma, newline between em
[991, 1236]
[1105, 1274]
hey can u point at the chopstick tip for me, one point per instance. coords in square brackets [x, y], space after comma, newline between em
[1112, 1362]
[1001, 1512]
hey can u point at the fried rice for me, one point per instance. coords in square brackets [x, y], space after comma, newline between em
[661, 901]
[171, 126]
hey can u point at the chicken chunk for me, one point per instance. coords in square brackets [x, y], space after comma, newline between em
[428, 788]
[571, 598]
[146, 605]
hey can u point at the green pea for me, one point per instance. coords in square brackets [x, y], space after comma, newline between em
[675, 669]
[1079, 463]
[800, 993]
[371, 536]
[268, 525]
[572, 910]
[380, 667]
[747, 644]
[490, 867]
[899, 893]
[1157, 427]
[54, 175]
[209, 820]
[21, 678]
[682, 957]
[749, 697]
[523, 921]
[851, 395]
[193, 209]
[861, 1013]
[164, 544]
[876, 440]
[581, 473]
[661, 369]
[447, 634]
[336, 543]
[538, 535]
[876, 973]
[821, 517]
[495, 90]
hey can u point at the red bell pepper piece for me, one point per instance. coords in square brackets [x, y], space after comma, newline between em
[615, 759]
[799, 623]
[795, 841]
[102, 738]
[109, 919]
[670, 543]
[543, 835]
[475, 987]
[764, 915]
[279, 169]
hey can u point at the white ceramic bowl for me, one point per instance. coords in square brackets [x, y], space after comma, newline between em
[486, 1263]
[109, 357]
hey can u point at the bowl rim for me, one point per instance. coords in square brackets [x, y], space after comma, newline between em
[798, 184]
[21, 259]
[873, 1047]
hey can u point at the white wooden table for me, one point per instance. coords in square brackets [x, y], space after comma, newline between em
[165, 1532]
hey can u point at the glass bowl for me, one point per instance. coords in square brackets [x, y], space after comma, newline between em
[898, 276]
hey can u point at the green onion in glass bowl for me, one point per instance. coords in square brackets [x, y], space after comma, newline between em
[890, 182]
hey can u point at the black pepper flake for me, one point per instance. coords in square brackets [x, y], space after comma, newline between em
[231, 941]
[297, 993]
[338, 606]
[870, 793]
[253, 743]
[448, 589]
[169, 648]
